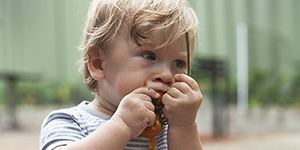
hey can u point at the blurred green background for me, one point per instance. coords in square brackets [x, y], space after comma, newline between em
[39, 40]
[38, 44]
[39, 67]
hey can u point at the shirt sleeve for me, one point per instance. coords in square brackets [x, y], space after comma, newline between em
[59, 128]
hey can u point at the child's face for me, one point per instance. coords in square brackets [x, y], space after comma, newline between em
[128, 65]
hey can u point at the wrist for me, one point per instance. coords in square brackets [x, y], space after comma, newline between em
[183, 127]
[189, 132]
[181, 123]
[126, 130]
[184, 137]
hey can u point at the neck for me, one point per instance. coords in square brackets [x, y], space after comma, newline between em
[103, 107]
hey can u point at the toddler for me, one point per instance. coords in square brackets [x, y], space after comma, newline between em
[127, 43]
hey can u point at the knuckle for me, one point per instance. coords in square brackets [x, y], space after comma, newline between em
[192, 82]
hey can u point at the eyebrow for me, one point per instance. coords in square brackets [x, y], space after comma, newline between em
[144, 37]
[141, 36]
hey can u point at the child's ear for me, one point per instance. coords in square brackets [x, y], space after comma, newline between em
[95, 62]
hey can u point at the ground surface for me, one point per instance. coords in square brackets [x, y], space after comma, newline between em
[30, 118]
[16, 140]
[266, 141]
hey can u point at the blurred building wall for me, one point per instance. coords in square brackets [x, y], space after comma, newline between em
[273, 27]
[42, 36]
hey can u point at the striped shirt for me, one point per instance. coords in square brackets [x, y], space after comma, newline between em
[64, 126]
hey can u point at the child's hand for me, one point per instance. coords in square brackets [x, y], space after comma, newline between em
[136, 110]
[182, 101]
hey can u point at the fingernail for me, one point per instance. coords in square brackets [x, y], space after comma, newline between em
[157, 95]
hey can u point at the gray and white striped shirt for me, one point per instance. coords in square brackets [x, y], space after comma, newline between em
[64, 126]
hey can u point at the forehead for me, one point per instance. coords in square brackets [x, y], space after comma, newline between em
[160, 40]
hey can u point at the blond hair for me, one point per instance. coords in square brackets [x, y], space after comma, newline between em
[105, 19]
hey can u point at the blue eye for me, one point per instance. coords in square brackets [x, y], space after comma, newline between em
[178, 63]
[149, 56]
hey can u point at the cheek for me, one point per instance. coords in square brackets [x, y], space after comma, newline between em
[129, 82]
[126, 85]
[123, 87]
[125, 77]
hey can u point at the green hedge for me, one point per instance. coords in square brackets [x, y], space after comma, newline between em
[45, 92]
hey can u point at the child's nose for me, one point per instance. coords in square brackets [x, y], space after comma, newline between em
[165, 76]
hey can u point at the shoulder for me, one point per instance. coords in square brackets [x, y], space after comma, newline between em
[62, 120]
[80, 113]
[61, 115]
[63, 126]
[79, 118]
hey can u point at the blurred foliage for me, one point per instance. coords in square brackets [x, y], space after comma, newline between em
[290, 92]
[40, 93]
[213, 77]
[265, 87]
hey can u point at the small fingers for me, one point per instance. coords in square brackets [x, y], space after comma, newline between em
[152, 117]
[148, 91]
[188, 80]
[174, 92]
[145, 95]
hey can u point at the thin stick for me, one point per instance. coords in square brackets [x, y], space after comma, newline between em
[80, 16]
[188, 52]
